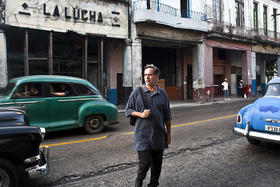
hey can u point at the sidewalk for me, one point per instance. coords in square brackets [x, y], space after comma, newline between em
[192, 103]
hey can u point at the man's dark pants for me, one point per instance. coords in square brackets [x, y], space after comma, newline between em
[149, 159]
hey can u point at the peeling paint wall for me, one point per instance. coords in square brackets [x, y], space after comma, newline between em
[3, 60]
[69, 15]
[115, 62]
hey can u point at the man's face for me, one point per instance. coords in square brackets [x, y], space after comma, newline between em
[150, 77]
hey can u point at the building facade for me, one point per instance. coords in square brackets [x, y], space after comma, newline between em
[243, 40]
[195, 43]
[169, 35]
[78, 38]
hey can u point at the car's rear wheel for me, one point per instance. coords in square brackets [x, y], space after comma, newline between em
[8, 174]
[94, 124]
[253, 141]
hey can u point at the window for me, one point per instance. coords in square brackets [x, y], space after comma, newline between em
[275, 22]
[29, 90]
[60, 90]
[217, 10]
[255, 12]
[239, 13]
[82, 90]
[265, 20]
[273, 90]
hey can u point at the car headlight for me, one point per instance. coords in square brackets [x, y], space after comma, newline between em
[43, 132]
[239, 119]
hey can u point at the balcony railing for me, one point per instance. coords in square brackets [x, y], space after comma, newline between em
[154, 5]
[247, 32]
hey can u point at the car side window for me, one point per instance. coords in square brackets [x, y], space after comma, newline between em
[82, 90]
[28, 90]
[60, 90]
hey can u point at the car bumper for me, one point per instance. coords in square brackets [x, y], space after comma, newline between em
[42, 168]
[256, 135]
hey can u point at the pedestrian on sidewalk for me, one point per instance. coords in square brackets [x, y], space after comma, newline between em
[225, 89]
[241, 85]
[152, 131]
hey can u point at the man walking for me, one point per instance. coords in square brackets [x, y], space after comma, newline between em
[225, 89]
[152, 132]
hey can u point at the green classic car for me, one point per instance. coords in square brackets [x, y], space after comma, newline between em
[60, 102]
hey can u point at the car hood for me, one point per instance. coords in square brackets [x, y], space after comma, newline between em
[265, 109]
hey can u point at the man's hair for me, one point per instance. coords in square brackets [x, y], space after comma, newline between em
[156, 69]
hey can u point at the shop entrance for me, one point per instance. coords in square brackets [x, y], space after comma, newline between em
[165, 60]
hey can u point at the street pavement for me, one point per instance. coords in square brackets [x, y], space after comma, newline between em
[192, 103]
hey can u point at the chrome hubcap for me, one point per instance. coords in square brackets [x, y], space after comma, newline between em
[94, 123]
[4, 178]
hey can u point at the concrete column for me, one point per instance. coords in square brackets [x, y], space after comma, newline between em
[278, 66]
[198, 71]
[254, 83]
[3, 60]
[127, 71]
[208, 74]
[179, 68]
[247, 71]
[263, 76]
[137, 63]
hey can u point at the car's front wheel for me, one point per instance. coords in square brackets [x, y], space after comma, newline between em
[8, 174]
[94, 124]
[253, 141]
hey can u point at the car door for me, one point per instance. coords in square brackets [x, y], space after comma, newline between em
[62, 105]
[35, 103]
[64, 109]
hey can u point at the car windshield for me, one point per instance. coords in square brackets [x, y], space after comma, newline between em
[273, 90]
[7, 90]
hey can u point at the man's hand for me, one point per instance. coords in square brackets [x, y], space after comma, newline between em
[146, 113]
[168, 139]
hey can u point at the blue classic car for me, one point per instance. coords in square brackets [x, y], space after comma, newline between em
[261, 119]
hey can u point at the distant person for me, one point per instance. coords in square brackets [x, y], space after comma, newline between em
[240, 87]
[152, 128]
[225, 89]
[64, 91]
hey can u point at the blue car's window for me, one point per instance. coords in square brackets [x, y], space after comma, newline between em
[273, 90]
[7, 90]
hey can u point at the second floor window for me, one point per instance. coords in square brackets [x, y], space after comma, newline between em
[217, 10]
[255, 11]
[239, 13]
[265, 20]
[275, 22]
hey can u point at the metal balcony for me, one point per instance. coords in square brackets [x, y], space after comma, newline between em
[244, 32]
[152, 11]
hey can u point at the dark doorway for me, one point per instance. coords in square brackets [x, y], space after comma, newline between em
[120, 88]
[189, 82]
[218, 80]
[164, 59]
[238, 78]
[185, 13]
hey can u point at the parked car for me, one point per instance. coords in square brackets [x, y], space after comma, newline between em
[60, 102]
[261, 120]
[20, 155]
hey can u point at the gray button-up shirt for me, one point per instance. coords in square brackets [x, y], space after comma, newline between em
[150, 133]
